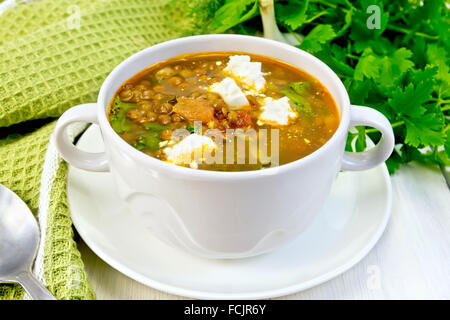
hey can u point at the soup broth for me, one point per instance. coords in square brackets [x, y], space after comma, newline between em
[224, 111]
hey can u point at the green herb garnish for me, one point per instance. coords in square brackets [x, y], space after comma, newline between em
[156, 127]
[119, 121]
[295, 91]
[190, 128]
[148, 141]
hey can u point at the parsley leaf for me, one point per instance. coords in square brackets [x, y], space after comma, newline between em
[316, 37]
[424, 131]
[383, 70]
[408, 102]
[292, 14]
[233, 12]
[368, 66]
[437, 56]
[447, 141]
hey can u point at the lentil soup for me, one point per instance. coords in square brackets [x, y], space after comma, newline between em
[180, 109]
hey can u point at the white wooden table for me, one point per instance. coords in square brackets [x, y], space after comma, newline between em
[411, 260]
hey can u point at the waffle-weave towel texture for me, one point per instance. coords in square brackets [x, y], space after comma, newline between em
[55, 54]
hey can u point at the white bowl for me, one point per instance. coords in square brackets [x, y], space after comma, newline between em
[224, 214]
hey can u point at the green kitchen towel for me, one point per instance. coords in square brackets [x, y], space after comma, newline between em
[55, 54]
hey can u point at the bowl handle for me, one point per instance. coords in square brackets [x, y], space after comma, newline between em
[365, 116]
[76, 157]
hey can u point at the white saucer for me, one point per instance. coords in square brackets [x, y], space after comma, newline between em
[352, 221]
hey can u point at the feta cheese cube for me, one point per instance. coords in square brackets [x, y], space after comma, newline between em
[246, 72]
[182, 151]
[276, 111]
[230, 93]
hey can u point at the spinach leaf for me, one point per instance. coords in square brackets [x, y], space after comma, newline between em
[119, 121]
[148, 141]
[156, 127]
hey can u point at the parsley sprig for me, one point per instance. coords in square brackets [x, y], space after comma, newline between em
[400, 68]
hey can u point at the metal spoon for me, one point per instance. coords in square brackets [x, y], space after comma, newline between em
[19, 240]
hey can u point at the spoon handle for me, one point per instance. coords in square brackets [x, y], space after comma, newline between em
[33, 287]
